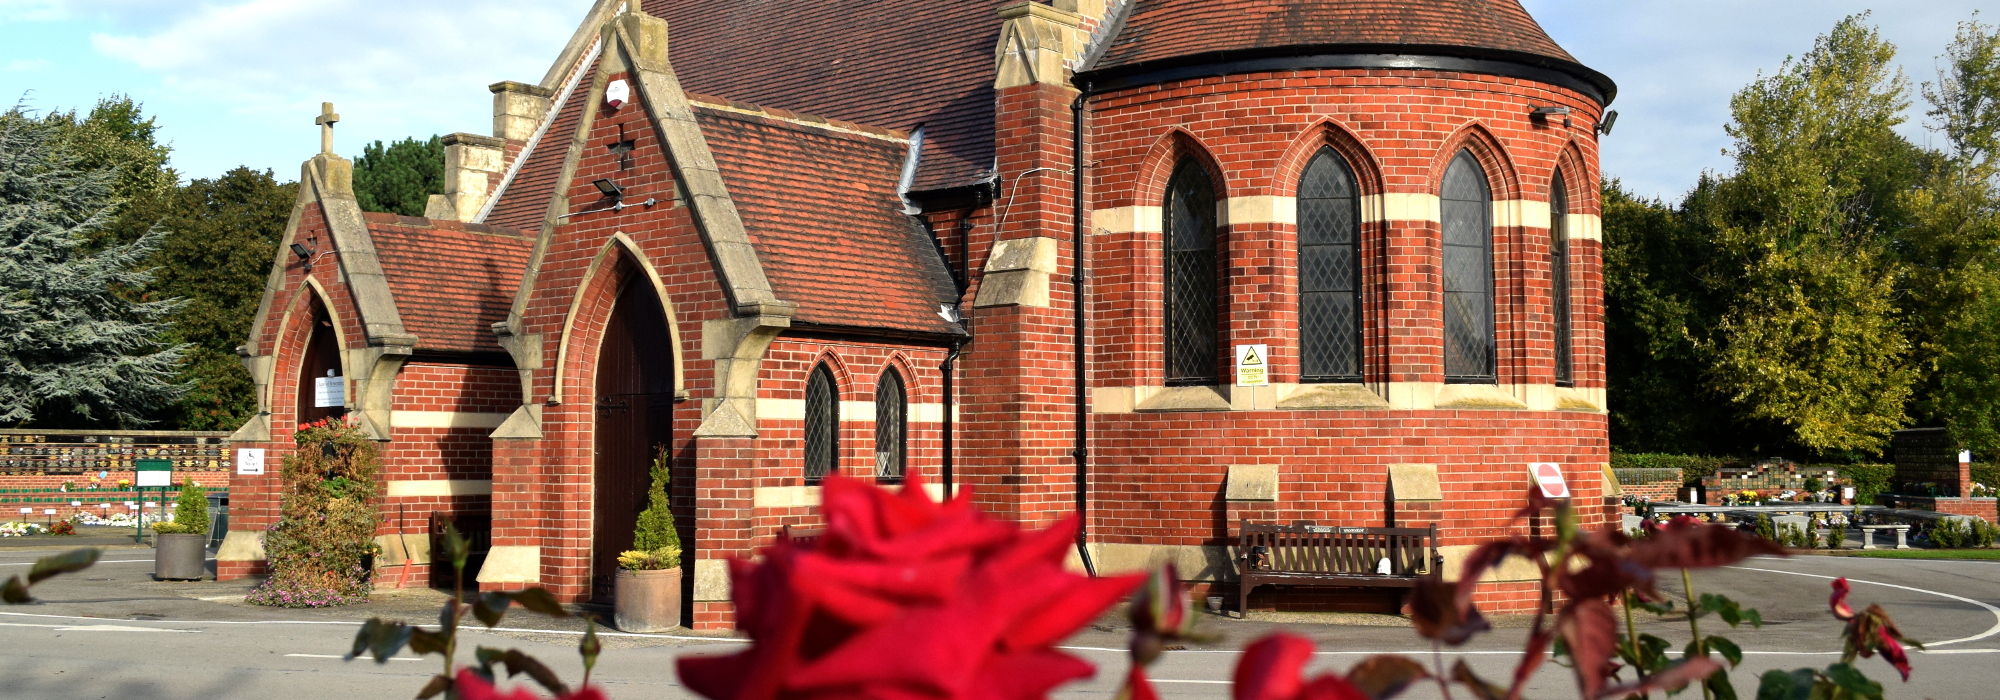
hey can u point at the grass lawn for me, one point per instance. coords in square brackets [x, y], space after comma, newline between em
[1989, 554]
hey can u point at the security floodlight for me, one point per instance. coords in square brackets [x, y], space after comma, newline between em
[1604, 126]
[303, 252]
[609, 188]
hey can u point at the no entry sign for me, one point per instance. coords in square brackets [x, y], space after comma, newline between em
[1549, 476]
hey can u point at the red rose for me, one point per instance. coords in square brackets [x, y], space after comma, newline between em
[903, 597]
[1271, 667]
[472, 687]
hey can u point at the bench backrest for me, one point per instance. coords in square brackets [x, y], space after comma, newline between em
[1326, 549]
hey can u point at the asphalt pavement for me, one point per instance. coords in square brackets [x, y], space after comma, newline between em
[112, 632]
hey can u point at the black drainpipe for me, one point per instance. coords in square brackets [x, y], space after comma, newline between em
[1081, 452]
[950, 366]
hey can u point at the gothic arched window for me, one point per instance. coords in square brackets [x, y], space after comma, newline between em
[1329, 271]
[822, 425]
[891, 421]
[1468, 271]
[1190, 275]
[1559, 277]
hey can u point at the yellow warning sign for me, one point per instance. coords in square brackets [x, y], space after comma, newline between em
[1251, 366]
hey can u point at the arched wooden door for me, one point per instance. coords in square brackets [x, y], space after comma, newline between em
[635, 401]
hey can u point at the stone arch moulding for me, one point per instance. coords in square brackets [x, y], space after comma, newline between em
[297, 311]
[620, 248]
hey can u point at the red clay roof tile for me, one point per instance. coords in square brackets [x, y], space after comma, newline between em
[1157, 30]
[451, 281]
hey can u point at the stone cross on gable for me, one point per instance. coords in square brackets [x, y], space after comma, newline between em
[326, 120]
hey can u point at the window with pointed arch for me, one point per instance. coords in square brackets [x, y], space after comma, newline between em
[822, 425]
[1467, 209]
[1190, 275]
[1559, 277]
[1329, 271]
[892, 417]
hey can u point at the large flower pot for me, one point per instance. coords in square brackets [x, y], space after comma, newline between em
[648, 601]
[180, 557]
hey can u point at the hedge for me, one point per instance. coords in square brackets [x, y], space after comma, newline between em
[1986, 473]
[1868, 479]
[1691, 467]
[1647, 475]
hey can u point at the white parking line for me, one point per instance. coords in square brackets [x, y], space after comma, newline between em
[1990, 631]
[357, 658]
[101, 561]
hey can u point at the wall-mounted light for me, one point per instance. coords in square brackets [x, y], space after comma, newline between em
[303, 252]
[1604, 127]
[1543, 112]
[309, 254]
[609, 188]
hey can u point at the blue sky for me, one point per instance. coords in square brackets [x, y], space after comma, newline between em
[238, 82]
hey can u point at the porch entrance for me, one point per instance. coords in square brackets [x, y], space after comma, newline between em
[635, 402]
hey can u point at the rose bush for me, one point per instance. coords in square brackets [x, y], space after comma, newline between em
[903, 597]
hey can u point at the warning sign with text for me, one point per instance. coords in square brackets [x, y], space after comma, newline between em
[1253, 366]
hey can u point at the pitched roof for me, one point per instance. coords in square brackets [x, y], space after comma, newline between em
[451, 281]
[819, 200]
[1165, 31]
[524, 199]
[894, 64]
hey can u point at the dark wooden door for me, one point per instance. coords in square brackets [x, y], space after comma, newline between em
[635, 400]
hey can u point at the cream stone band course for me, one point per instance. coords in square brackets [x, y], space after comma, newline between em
[446, 419]
[1392, 396]
[1389, 206]
[809, 496]
[440, 488]
[795, 409]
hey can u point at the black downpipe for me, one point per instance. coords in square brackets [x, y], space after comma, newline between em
[1081, 452]
[950, 367]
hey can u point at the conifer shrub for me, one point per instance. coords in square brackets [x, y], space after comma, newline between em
[655, 543]
[190, 513]
[319, 548]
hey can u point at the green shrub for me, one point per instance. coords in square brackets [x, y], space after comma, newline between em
[1765, 529]
[1868, 479]
[326, 524]
[190, 513]
[1647, 475]
[1797, 537]
[1691, 467]
[1956, 533]
[1986, 473]
[655, 544]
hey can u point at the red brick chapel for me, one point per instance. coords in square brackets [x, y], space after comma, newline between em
[782, 240]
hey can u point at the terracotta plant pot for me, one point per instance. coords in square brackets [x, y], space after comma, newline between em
[648, 601]
[180, 557]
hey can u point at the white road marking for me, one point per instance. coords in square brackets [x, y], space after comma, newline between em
[117, 628]
[1990, 631]
[1170, 680]
[469, 628]
[100, 561]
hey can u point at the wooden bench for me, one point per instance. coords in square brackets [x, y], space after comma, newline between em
[807, 536]
[1305, 554]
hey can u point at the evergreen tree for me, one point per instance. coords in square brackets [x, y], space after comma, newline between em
[400, 177]
[116, 136]
[73, 350]
[220, 235]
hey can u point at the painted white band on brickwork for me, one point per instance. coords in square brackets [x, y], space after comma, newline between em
[1586, 227]
[440, 488]
[1392, 396]
[1387, 206]
[446, 419]
[809, 496]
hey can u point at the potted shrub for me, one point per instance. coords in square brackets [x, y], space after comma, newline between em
[648, 597]
[180, 547]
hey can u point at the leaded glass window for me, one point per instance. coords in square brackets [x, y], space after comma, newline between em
[1190, 276]
[822, 425]
[1329, 271]
[891, 420]
[1468, 271]
[1559, 276]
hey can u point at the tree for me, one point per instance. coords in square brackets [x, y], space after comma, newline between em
[220, 235]
[73, 350]
[400, 177]
[116, 136]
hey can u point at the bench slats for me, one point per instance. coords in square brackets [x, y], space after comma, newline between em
[1307, 554]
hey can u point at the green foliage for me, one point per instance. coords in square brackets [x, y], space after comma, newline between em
[220, 237]
[1691, 467]
[116, 137]
[1868, 479]
[1764, 528]
[190, 513]
[1647, 475]
[1958, 533]
[78, 352]
[655, 542]
[326, 519]
[399, 177]
[1986, 473]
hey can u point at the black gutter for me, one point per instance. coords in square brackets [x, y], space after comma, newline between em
[950, 367]
[1078, 283]
[1511, 64]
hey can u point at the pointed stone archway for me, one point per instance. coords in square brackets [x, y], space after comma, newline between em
[634, 381]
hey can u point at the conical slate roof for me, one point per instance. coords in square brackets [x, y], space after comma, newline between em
[1164, 33]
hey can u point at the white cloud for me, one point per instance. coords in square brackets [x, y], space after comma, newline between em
[25, 65]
